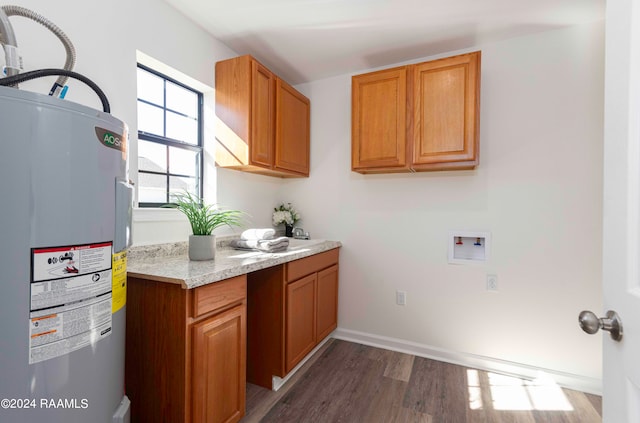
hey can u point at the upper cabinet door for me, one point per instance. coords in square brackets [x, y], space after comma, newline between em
[446, 112]
[233, 112]
[262, 81]
[378, 116]
[292, 129]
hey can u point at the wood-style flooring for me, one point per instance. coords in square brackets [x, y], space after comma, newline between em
[352, 383]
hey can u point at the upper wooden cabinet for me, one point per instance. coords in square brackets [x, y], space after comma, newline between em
[262, 123]
[418, 117]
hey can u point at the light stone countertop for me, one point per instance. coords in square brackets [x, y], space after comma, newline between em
[170, 263]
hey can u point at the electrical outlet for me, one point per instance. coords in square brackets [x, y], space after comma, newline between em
[401, 297]
[492, 283]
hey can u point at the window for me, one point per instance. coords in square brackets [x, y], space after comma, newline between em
[169, 138]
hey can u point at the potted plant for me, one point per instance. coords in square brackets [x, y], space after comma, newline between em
[204, 219]
[285, 213]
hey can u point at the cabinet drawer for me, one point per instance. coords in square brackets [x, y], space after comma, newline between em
[299, 268]
[218, 295]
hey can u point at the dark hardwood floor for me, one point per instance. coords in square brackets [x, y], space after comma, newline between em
[353, 383]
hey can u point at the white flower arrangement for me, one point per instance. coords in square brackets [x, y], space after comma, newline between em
[286, 214]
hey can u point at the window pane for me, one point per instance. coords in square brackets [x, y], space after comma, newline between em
[150, 119]
[150, 87]
[183, 162]
[152, 188]
[180, 185]
[182, 128]
[152, 156]
[182, 100]
[170, 114]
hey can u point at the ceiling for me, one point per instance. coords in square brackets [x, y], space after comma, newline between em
[307, 40]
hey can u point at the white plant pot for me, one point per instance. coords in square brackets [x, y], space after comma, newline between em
[202, 247]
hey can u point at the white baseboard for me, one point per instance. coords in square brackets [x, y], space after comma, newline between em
[277, 382]
[524, 371]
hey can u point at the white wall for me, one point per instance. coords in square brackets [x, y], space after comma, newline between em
[106, 36]
[537, 190]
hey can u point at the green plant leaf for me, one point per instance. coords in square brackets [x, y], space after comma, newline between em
[204, 219]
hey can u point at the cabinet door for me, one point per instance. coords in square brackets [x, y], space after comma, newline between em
[218, 367]
[327, 302]
[233, 111]
[300, 320]
[292, 129]
[378, 119]
[262, 115]
[446, 110]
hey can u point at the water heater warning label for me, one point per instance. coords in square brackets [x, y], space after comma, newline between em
[71, 296]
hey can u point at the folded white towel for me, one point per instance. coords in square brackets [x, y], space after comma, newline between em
[265, 245]
[268, 233]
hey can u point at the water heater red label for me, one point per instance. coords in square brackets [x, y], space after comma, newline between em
[71, 298]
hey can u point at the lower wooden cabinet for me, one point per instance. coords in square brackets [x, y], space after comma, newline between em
[219, 367]
[190, 352]
[186, 351]
[327, 302]
[301, 320]
[291, 309]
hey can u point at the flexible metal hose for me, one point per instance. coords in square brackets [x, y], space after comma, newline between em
[8, 39]
[6, 30]
[11, 10]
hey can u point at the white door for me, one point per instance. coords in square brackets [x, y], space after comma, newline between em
[621, 225]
